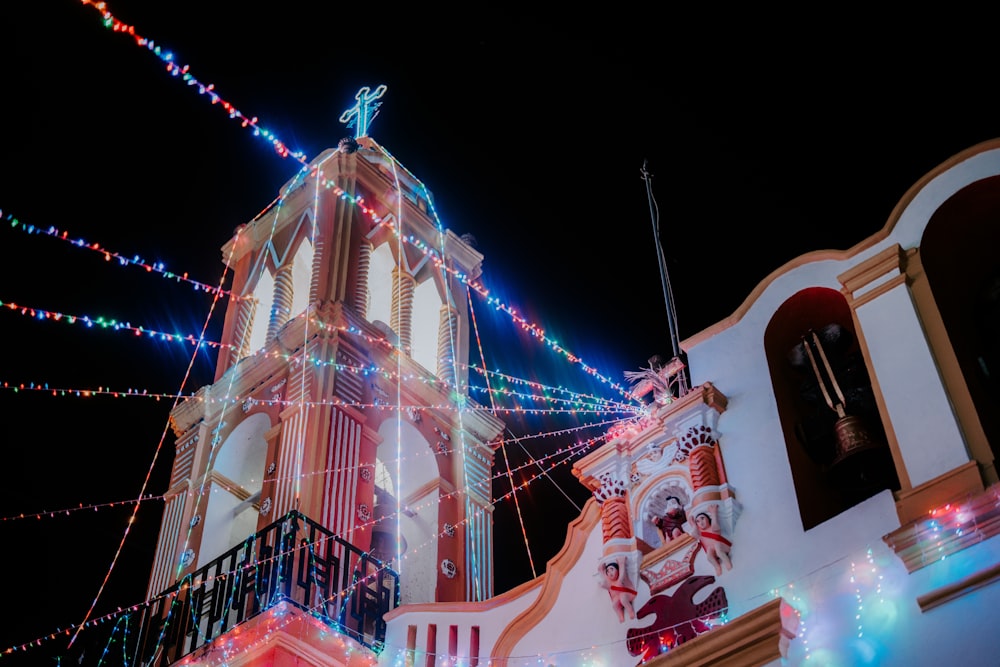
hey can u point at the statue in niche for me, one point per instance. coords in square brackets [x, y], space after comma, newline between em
[716, 546]
[670, 523]
[665, 511]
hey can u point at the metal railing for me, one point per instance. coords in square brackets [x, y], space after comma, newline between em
[293, 560]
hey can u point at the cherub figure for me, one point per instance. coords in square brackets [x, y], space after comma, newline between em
[715, 545]
[670, 525]
[619, 586]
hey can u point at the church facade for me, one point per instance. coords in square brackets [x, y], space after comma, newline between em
[814, 482]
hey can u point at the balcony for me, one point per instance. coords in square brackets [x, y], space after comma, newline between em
[293, 561]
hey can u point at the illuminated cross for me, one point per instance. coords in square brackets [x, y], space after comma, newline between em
[363, 113]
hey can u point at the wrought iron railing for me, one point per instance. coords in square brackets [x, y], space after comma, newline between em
[293, 560]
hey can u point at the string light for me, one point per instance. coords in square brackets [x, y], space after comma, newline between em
[183, 73]
[78, 392]
[570, 452]
[534, 330]
[52, 514]
[110, 255]
[112, 324]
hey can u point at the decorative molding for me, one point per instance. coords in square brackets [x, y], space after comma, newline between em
[959, 588]
[479, 606]
[874, 276]
[448, 568]
[283, 634]
[661, 572]
[753, 639]
[557, 569]
[947, 529]
[958, 483]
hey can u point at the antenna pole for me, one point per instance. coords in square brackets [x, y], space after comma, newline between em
[664, 278]
[677, 366]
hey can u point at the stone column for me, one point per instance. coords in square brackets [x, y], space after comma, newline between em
[282, 307]
[401, 322]
[447, 332]
[361, 282]
[241, 333]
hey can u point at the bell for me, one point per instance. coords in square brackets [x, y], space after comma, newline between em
[860, 460]
[852, 438]
[854, 447]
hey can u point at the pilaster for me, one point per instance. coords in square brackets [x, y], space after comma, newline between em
[920, 424]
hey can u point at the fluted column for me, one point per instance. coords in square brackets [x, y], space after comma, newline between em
[319, 254]
[361, 284]
[447, 332]
[401, 322]
[241, 333]
[281, 308]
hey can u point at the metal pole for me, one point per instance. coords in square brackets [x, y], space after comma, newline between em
[664, 279]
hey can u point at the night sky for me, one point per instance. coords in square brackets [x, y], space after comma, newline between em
[763, 143]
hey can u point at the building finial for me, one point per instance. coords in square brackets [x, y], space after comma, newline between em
[363, 113]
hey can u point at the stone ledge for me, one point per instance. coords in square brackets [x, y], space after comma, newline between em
[754, 639]
[961, 482]
[947, 529]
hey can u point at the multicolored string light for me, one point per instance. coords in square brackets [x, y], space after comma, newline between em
[112, 256]
[159, 268]
[503, 446]
[183, 73]
[565, 455]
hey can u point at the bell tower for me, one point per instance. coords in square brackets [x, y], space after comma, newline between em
[341, 391]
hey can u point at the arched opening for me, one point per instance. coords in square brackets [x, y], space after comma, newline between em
[663, 511]
[380, 284]
[959, 255]
[426, 323]
[263, 294]
[417, 494]
[301, 277]
[834, 435]
[235, 482]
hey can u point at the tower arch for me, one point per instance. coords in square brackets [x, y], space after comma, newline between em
[416, 494]
[232, 490]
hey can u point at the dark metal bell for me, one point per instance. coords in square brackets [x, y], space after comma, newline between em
[861, 462]
[851, 438]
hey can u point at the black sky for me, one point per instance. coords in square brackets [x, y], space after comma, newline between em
[767, 136]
